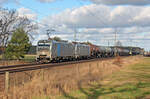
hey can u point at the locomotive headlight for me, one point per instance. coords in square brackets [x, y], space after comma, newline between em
[43, 53]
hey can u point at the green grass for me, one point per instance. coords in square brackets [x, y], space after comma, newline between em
[42, 97]
[132, 82]
[29, 58]
[0, 56]
[26, 57]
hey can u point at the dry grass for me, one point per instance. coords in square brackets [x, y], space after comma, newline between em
[11, 62]
[48, 83]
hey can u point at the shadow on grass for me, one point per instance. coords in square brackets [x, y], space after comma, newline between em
[66, 95]
[137, 90]
[95, 91]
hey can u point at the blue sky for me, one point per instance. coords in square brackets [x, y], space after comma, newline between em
[46, 9]
[93, 18]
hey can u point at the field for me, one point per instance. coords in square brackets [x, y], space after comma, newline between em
[29, 58]
[120, 78]
[131, 82]
[26, 59]
[0, 56]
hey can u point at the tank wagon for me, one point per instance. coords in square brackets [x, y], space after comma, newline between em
[137, 50]
[146, 54]
[106, 51]
[94, 51]
[123, 51]
[100, 51]
[51, 50]
[127, 51]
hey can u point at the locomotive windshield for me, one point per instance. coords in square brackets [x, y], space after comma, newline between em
[43, 46]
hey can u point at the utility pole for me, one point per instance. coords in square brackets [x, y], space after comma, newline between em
[115, 37]
[108, 43]
[75, 35]
[75, 40]
[115, 42]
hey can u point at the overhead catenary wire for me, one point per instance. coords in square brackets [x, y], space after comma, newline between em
[129, 38]
[97, 17]
[41, 14]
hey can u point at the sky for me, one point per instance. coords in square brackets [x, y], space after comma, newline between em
[95, 21]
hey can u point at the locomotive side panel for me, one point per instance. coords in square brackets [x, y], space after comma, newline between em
[53, 50]
[62, 50]
[66, 50]
[82, 50]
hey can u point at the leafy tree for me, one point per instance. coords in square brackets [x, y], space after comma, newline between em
[18, 45]
[56, 38]
[88, 43]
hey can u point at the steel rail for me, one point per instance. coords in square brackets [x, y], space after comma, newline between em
[28, 67]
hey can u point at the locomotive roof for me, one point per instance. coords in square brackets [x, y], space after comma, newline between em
[49, 41]
[44, 41]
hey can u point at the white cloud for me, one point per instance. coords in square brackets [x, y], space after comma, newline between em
[110, 2]
[96, 23]
[100, 16]
[27, 13]
[81, 17]
[122, 2]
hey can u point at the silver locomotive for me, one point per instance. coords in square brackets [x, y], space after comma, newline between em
[51, 50]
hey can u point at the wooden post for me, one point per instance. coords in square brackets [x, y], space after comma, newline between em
[90, 68]
[78, 72]
[42, 74]
[98, 65]
[6, 82]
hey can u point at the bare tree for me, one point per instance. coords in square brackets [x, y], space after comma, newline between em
[10, 21]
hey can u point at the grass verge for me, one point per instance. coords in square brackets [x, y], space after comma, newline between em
[105, 79]
[131, 82]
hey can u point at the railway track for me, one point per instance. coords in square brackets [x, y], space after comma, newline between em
[28, 67]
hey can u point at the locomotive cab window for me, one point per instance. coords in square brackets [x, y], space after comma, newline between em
[43, 46]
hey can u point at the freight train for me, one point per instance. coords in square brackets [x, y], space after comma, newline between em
[51, 50]
[146, 54]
